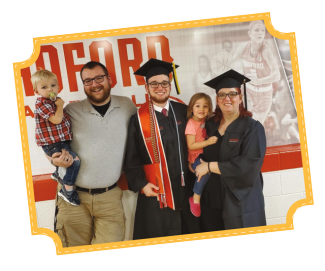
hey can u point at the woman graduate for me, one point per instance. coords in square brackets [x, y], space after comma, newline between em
[233, 196]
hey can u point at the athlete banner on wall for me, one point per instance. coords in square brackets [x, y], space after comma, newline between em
[201, 53]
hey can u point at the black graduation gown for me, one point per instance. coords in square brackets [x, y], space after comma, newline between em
[211, 201]
[150, 220]
[241, 157]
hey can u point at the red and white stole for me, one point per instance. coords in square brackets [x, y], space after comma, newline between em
[157, 172]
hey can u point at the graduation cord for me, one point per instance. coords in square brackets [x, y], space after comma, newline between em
[152, 130]
[179, 147]
[153, 122]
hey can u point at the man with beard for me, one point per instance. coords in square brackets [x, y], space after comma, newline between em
[156, 159]
[99, 125]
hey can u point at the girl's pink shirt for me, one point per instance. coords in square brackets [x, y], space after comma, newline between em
[195, 128]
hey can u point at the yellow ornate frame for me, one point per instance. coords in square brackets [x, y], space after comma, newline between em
[143, 29]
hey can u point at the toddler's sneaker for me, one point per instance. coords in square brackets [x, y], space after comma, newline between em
[71, 197]
[55, 176]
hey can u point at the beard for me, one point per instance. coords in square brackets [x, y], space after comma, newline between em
[159, 100]
[106, 92]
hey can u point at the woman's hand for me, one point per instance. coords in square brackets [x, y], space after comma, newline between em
[201, 170]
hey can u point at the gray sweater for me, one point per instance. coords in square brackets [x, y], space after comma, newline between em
[100, 141]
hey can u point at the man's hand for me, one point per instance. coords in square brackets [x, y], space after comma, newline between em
[59, 102]
[212, 140]
[62, 159]
[148, 190]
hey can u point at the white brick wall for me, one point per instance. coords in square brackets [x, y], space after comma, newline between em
[272, 184]
[45, 211]
[292, 181]
[281, 190]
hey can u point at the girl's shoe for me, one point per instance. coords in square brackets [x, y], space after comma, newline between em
[195, 208]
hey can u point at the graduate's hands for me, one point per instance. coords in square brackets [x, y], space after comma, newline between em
[62, 159]
[148, 190]
[201, 169]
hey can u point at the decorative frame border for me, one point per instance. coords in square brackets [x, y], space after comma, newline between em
[144, 29]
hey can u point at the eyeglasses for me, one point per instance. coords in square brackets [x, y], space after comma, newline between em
[164, 84]
[98, 79]
[231, 95]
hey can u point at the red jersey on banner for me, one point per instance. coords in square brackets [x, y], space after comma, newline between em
[255, 66]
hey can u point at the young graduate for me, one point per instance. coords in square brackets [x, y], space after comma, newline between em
[156, 159]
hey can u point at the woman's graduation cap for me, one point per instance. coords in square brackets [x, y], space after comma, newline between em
[229, 79]
[156, 67]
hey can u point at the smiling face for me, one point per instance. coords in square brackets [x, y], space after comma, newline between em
[257, 32]
[159, 95]
[200, 109]
[97, 93]
[229, 106]
[46, 86]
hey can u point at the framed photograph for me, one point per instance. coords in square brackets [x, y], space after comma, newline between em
[203, 49]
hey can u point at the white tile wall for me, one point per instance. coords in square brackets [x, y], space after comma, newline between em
[281, 190]
[278, 206]
[283, 220]
[273, 221]
[272, 184]
[292, 181]
[45, 213]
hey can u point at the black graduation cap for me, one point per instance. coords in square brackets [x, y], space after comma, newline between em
[156, 67]
[229, 79]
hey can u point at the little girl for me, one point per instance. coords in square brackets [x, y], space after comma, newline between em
[198, 111]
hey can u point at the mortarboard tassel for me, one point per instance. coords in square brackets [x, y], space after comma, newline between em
[175, 78]
[245, 96]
